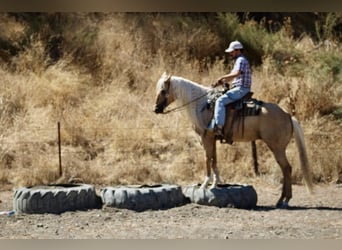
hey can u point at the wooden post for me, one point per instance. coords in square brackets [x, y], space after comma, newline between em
[59, 149]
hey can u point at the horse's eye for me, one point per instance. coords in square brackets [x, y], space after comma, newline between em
[163, 92]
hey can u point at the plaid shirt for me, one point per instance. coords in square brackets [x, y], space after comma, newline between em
[245, 78]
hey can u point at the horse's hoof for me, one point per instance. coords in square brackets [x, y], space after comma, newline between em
[282, 205]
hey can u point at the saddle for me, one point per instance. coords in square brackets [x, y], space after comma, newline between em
[236, 112]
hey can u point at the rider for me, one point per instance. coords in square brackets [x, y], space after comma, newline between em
[241, 85]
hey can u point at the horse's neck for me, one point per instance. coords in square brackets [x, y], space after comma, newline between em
[187, 92]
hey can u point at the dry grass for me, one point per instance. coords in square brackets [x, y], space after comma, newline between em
[103, 95]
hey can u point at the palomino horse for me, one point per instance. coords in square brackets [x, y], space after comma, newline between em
[274, 126]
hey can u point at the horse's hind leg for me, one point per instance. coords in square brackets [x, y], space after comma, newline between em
[255, 158]
[286, 169]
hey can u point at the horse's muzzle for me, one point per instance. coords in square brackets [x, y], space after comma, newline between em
[158, 109]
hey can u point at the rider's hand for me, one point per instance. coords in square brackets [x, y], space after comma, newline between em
[217, 83]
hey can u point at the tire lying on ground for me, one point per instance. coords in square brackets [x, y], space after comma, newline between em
[143, 197]
[55, 199]
[225, 195]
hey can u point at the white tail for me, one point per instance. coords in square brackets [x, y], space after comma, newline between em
[299, 137]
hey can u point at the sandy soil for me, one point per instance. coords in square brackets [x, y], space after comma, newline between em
[310, 217]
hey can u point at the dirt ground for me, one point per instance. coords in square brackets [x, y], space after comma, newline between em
[310, 217]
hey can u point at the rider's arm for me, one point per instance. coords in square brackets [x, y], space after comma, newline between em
[226, 78]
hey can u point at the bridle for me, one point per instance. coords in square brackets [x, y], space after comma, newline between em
[184, 105]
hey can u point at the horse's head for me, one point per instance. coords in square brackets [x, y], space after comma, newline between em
[164, 94]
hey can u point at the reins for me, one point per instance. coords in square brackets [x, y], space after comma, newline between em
[184, 105]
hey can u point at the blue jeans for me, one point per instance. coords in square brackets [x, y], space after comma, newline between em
[230, 96]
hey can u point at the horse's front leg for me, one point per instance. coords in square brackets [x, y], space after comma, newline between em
[209, 145]
[216, 175]
[208, 173]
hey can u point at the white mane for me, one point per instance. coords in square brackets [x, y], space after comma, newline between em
[186, 91]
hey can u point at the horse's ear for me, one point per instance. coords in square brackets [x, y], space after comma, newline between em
[167, 78]
[168, 81]
[165, 75]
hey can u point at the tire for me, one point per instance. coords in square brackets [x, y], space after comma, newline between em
[55, 199]
[142, 197]
[237, 196]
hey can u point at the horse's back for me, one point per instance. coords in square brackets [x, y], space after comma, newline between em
[271, 111]
[272, 123]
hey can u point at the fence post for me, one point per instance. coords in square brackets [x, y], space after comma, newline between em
[59, 148]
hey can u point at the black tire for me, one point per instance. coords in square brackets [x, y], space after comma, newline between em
[142, 197]
[55, 199]
[237, 196]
